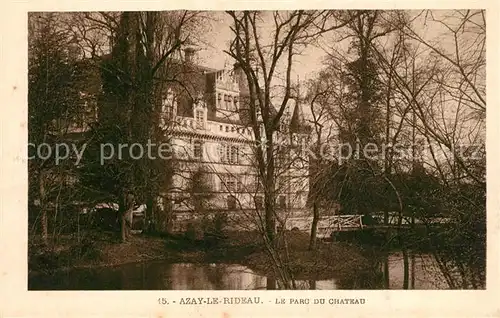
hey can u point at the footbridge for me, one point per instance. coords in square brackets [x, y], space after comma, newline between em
[340, 223]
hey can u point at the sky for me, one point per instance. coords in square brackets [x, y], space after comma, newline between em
[219, 37]
[217, 40]
[310, 62]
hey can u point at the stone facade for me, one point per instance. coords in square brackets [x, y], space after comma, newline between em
[210, 134]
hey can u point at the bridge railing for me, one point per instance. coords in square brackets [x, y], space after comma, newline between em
[337, 223]
[327, 224]
[407, 220]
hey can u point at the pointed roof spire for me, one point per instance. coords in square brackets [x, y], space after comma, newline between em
[298, 123]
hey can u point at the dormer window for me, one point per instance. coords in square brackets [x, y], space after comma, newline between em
[199, 118]
[168, 107]
[168, 112]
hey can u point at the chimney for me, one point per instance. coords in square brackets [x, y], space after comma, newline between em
[241, 78]
[189, 54]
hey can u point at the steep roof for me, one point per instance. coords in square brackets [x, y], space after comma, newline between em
[244, 111]
[191, 80]
[298, 124]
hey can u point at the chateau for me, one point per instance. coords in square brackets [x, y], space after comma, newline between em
[212, 136]
[207, 122]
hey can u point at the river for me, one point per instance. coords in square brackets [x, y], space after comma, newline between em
[423, 272]
[160, 275]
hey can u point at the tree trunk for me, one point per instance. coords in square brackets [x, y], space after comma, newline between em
[45, 230]
[43, 210]
[149, 217]
[123, 227]
[314, 227]
[386, 249]
[406, 268]
[126, 205]
[312, 284]
[387, 280]
[269, 201]
[412, 282]
[270, 283]
[270, 224]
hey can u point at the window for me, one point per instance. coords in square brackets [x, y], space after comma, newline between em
[167, 109]
[236, 103]
[227, 150]
[198, 149]
[169, 112]
[220, 128]
[281, 202]
[167, 106]
[200, 119]
[231, 183]
[221, 149]
[259, 202]
[231, 202]
[219, 99]
[234, 156]
[230, 103]
[228, 153]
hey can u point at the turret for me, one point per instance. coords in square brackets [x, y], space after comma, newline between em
[298, 123]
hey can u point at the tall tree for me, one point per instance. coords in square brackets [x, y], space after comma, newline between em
[260, 60]
[261, 57]
[134, 78]
[53, 103]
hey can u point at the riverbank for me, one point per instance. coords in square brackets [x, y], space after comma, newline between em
[331, 259]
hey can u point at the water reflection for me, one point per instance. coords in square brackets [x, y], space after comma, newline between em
[160, 275]
[423, 272]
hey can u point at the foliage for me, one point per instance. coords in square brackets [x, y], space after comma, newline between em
[54, 103]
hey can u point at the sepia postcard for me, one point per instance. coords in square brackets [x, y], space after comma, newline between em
[249, 159]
